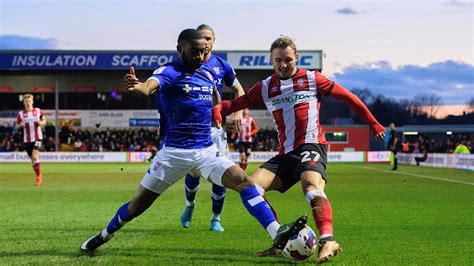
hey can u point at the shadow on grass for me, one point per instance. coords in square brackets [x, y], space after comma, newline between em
[158, 255]
[190, 255]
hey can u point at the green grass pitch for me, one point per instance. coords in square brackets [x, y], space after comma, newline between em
[417, 215]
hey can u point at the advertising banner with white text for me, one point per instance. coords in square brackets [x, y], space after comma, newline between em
[66, 157]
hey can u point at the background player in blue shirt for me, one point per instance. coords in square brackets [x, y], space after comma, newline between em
[225, 74]
[188, 87]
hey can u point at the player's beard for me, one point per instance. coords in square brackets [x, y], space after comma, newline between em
[194, 63]
[284, 73]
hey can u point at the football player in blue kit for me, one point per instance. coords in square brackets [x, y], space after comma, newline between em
[224, 75]
[188, 86]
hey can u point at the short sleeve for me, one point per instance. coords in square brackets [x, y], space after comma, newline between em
[229, 74]
[164, 75]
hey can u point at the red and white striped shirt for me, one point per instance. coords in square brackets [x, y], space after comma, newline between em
[32, 130]
[249, 128]
[294, 104]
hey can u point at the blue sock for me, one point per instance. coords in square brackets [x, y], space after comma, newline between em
[191, 187]
[218, 196]
[257, 206]
[120, 218]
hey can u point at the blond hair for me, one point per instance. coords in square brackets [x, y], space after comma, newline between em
[283, 42]
[26, 96]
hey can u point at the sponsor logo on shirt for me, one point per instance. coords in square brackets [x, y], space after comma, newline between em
[188, 88]
[293, 98]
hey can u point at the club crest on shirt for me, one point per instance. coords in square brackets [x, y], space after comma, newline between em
[300, 83]
[217, 70]
[273, 89]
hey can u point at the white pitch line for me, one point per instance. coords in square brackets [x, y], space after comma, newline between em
[421, 176]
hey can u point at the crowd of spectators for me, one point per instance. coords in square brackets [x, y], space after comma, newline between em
[460, 143]
[74, 139]
[147, 139]
[126, 139]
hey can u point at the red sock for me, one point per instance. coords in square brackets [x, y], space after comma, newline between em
[37, 169]
[271, 207]
[243, 165]
[322, 214]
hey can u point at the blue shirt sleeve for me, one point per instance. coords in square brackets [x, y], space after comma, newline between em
[164, 75]
[229, 76]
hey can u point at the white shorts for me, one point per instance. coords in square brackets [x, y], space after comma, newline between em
[219, 137]
[170, 164]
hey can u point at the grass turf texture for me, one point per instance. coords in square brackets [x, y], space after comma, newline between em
[380, 217]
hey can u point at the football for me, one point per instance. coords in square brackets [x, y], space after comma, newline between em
[301, 245]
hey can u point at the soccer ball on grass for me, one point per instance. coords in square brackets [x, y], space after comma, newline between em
[301, 245]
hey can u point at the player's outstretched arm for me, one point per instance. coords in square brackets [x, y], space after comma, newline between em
[252, 97]
[341, 94]
[229, 107]
[132, 84]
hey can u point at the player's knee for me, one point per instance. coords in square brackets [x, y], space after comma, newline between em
[235, 178]
[244, 182]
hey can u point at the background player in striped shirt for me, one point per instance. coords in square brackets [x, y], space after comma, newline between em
[293, 96]
[32, 119]
[224, 75]
[245, 138]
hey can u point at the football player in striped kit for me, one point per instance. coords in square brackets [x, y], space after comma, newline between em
[292, 95]
[31, 119]
[245, 139]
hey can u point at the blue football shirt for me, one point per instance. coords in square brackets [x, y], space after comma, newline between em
[184, 101]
